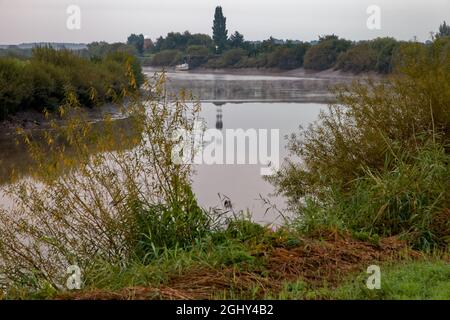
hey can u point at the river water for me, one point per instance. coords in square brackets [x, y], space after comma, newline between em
[230, 101]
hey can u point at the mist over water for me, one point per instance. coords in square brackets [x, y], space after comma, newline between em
[244, 102]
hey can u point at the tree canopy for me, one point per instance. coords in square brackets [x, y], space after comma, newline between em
[136, 41]
[220, 32]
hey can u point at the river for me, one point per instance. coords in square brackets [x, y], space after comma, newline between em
[238, 101]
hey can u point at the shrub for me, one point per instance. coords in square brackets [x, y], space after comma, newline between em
[198, 55]
[113, 205]
[409, 200]
[231, 58]
[167, 226]
[325, 54]
[44, 81]
[385, 49]
[167, 58]
[360, 58]
[48, 83]
[373, 122]
[14, 86]
[287, 57]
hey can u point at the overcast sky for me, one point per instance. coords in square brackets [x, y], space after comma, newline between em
[113, 20]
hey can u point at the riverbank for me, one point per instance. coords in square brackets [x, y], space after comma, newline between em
[314, 87]
[295, 73]
[254, 262]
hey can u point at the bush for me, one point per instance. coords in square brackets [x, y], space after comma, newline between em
[198, 55]
[409, 200]
[385, 48]
[167, 226]
[48, 82]
[373, 122]
[15, 88]
[325, 54]
[112, 205]
[230, 58]
[360, 58]
[167, 58]
[287, 57]
[44, 81]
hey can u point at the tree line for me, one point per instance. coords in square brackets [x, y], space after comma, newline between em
[223, 51]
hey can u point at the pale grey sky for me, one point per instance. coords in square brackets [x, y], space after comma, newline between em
[113, 20]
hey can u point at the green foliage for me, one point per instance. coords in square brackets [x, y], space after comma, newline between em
[385, 48]
[360, 58]
[444, 30]
[378, 159]
[236, 40]
[121, 58]
[167, 58]
[43, 82]
[198, 55]
[220, 32]
[287, 57]
[168, 226]
[49, 85]
[112, 205]
[136, 41]
[230, 58]
[14, 86]
[325, 54]
[244, 230]
[409, 200]
[181, 41]
[99, 50]
[422, 280]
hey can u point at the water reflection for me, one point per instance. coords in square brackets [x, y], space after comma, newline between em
[219, 116]
[243, 185]
[270, 103]
[246, 88]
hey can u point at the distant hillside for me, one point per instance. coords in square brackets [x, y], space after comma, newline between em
[55, 45]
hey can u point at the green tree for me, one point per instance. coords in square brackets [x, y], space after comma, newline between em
[325, 54]
[220, 32]
[385, 48]
[236, 40]
[444, 30]
[136, 41]
[360, 58]
[197, 55]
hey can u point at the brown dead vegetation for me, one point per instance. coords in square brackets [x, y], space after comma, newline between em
[321, 260]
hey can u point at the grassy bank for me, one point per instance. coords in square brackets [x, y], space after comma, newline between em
[247, 261]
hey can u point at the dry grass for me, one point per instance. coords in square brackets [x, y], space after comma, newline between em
[317, 262]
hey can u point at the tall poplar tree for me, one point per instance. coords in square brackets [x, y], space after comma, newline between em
[220, 32]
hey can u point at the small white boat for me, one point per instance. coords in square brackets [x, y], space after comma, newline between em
[182, 67]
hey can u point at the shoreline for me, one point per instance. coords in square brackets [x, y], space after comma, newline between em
[294, 73]
[32, 120]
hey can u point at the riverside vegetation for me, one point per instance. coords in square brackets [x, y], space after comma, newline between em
[223, 51]
[368, 184]
[42, 81]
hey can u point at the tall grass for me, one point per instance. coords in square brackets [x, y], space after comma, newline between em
[109, 204]
[409, 198]
[378, 159]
